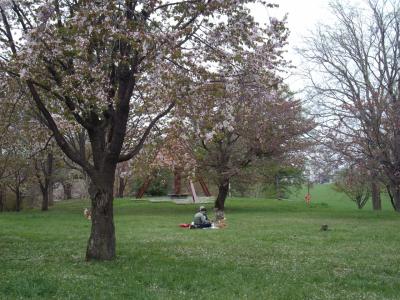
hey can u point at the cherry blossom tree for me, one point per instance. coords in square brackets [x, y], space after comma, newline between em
[112, 67]
[246, 111]
[167, 153]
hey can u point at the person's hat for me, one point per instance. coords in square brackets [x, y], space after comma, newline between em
[202, 208]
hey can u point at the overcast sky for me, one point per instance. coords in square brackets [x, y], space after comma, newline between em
[303, 16]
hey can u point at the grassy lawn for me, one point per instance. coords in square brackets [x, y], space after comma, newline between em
[270, 250]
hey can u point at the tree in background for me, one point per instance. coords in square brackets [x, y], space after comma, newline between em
[355, 183]
[8, 110]
[17, 169]
[282, 178]
[168, 160]
[16, 183]
[355, 80]
[331, 156]
[15, 140]
[122, 174]
[44, 173]
[269, 178]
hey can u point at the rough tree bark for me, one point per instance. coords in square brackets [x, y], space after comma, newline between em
[101, 244]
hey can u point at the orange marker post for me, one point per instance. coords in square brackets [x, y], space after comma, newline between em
[307, 198]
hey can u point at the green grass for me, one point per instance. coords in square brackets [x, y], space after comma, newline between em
[270, 250]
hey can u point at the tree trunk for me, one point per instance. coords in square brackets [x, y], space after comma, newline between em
[49, 177]
[121, 187]
[358, 202]
[67, 187]
[18, 199]
[223, 190]
[376, 195]
[51, 193]
[394, 193]
[362, 199]
[101, 244]
[45, 198]
[143, 188]
[45, 201]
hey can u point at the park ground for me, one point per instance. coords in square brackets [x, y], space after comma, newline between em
[270, 250]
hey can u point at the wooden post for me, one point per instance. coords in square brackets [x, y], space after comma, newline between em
[193, 191]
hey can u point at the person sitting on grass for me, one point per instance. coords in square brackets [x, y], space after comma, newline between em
[200, 219]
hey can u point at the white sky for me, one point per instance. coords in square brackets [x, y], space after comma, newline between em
[303, 16]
